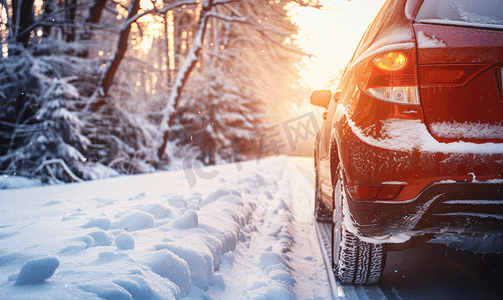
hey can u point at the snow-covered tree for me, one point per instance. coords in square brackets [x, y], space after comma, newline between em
[220, 115]
[49, 142]
[97, 85]
[51, 124]
[259, 29]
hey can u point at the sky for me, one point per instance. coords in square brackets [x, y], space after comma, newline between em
[331, 34]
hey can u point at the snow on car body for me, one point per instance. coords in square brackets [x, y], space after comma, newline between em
[411, 148]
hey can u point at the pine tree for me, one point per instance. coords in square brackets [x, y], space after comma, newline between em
[52, 142]
[220, 117]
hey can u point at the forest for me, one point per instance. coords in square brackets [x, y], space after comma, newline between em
[97, 88]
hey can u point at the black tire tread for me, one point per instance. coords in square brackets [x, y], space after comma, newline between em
[359, 262]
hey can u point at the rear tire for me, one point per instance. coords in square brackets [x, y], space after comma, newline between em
[353, 260]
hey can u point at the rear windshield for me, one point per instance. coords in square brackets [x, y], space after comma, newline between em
[483, 13]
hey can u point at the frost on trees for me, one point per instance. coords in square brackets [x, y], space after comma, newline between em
[241, 43]
[43, 131]
[220, 118]
[48, 76]
[84, 85]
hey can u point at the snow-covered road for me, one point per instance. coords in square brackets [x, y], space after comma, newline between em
[282, 230]
[245, 234]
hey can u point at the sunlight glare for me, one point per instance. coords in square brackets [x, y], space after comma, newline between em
[152, 26]
[171, 40]
[38, 7]
[4, 31]
[331, 34]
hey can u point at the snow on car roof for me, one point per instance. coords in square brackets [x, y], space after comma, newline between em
[487, 14]
[460, 23]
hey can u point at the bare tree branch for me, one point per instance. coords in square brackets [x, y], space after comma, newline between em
[120, 50]
[183, 74]
[263, 30]
[62, 164]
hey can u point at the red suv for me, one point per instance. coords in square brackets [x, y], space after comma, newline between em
[411, 148]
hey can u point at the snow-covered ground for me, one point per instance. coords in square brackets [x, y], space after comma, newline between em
[246, 234]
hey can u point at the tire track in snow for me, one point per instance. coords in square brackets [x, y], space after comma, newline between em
[307, 259]
[262, 266]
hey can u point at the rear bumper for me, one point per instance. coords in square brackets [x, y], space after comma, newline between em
[441, 187]
[415, 162]
[460, 208]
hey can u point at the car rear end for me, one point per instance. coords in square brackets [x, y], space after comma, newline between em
[423, 143]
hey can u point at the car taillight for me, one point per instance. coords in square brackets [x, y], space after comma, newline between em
[391, 76]
[391, 61]
[395, 94]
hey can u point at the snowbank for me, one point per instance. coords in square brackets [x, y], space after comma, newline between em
[17, 182]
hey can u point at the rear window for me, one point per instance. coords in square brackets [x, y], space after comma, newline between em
[484, 13]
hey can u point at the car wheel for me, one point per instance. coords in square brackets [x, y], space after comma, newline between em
[353, 260]
[321, 211]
